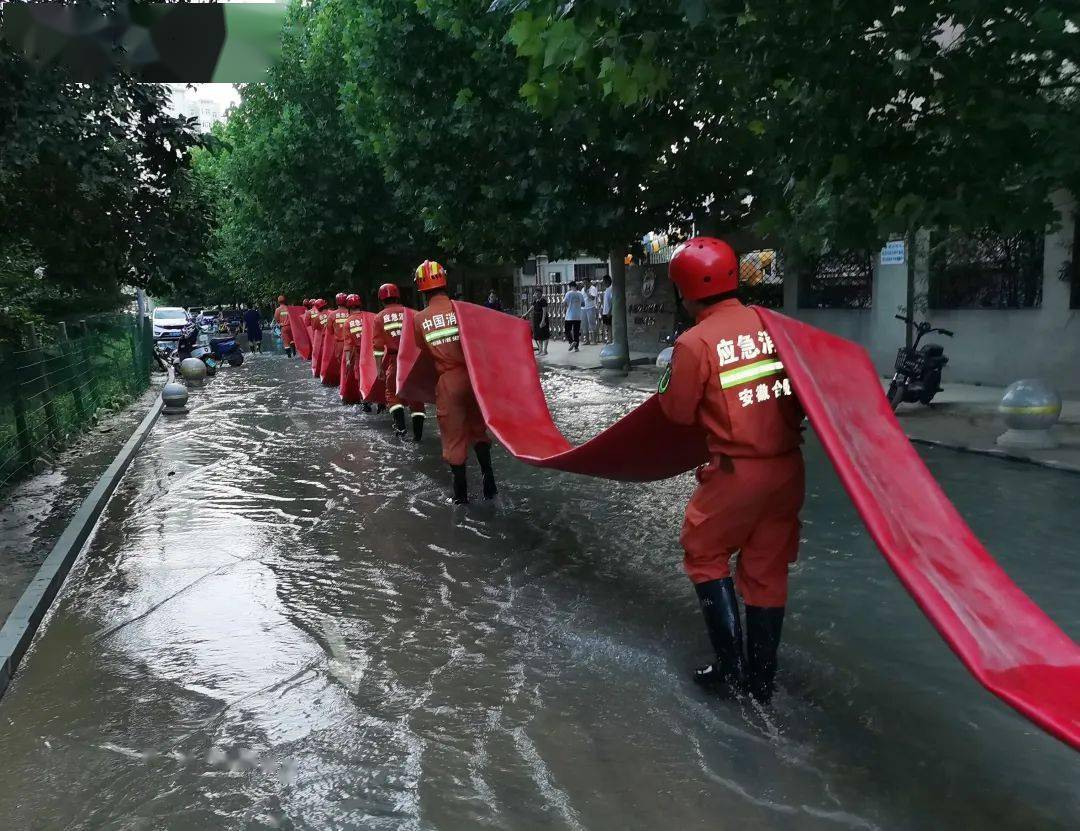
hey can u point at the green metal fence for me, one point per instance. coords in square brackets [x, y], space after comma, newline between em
[53, 381]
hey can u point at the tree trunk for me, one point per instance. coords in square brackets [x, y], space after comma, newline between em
[616, 355]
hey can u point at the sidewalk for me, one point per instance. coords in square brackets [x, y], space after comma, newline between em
[963, 417]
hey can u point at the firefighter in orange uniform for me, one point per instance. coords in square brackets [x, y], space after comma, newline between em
[387, 338]
[349, 384]
[281, 315]
[334, 342]
[318, 323]
[461, 423]
[725, 376]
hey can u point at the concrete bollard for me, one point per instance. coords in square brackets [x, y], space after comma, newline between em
[175, 396]
[1029, 407]
[194, 372]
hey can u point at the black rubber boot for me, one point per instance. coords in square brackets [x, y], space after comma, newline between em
[367, 407]
[288, 350]
[461, 486]
[763, 625]
[417, 426]
[380, 408]
[399, 420]
[720, 607]
[483, 455]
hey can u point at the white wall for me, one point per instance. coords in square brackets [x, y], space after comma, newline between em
[991, 346]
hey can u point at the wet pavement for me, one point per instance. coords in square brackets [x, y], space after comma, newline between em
[281, 623]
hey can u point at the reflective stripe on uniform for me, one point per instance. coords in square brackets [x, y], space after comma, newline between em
[391, 327]
[380, 352]
[438, 334]
[750, 372]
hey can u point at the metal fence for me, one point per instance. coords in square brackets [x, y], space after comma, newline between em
[986, 270]
[54, 381]
[761, 278]
[838, 281]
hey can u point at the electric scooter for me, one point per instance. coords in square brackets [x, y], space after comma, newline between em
[918, 369]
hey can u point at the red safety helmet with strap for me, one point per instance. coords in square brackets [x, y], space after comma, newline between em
[704, 267]
[430, 275]
[319, 304]
[352, 301]
[281, 298]
[389, 290]
[339, 298]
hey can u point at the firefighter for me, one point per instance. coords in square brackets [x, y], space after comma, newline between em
[349, 384]
[333, 342]
[461, 423]
[281, 315]
[387, 338]
[318, 324]
[725, 376]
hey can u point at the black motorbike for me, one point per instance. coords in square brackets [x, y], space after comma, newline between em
[226, 349]
[918, 368]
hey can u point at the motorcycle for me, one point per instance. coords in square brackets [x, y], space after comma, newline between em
[918, 369]
[226, 349]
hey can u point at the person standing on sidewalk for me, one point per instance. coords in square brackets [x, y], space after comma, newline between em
[573, 303]
[725, 377]
[605, 311]
[461, 424]
[589, 314]
[541, 323]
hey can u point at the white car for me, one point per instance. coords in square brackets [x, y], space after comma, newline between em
[169, 322]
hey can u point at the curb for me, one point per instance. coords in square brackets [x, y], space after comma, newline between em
[21, 625]
[997, 454]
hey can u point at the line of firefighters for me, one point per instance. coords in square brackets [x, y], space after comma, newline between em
[724, 377]
[336, 336]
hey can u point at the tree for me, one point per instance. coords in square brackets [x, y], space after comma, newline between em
[94, 187]
[869, 119]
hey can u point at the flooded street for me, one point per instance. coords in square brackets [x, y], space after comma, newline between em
[282, 623]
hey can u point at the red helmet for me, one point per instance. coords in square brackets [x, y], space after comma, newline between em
[319, 304]
[388, 290]
[339, 298]
[281, 298]
[703, 267]
[430, 275]
[353, 301]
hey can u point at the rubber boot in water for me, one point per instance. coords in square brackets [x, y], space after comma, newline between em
[417, 426]
[366, 408]
[720, 608]
[380, 408]
[483, 455]
[763, 625]
[399, 420]
[461, 486]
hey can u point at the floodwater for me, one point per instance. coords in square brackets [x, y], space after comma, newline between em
[281, 623]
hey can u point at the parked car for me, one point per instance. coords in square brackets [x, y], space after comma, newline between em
[169, 322]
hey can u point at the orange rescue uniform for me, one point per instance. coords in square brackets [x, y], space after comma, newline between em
[317, 319]
[726, 377]
[387, 340]
[333, 346]
[461, 424]
[281, 315]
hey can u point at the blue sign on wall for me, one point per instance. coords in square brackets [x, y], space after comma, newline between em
[893, 252]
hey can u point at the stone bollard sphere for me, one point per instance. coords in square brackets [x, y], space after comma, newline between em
[1030, 404]
[193, 370]
[663, 360]
[175, 397]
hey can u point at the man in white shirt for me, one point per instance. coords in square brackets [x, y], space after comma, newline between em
[605, 311]
[574, 303]
[589, 317]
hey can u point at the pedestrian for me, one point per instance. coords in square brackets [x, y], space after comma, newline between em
[387, 339]
[605, 311]
[541, 323]
[589, 321]
[573, 303]
[461, 424]
[281, 317]
[725, 376]
[493, 301]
